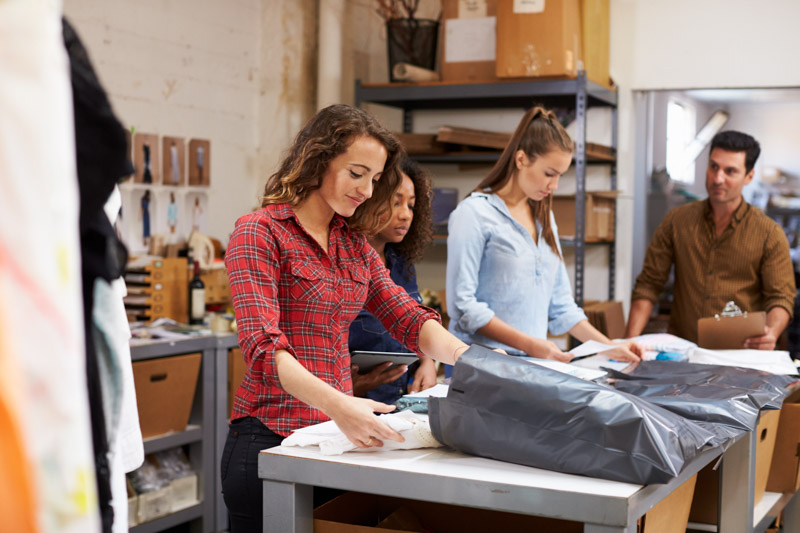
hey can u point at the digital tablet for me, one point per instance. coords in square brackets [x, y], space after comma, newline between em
[366, 361]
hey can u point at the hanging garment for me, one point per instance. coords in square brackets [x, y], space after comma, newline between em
[40, 267]
[505, 408]
[102, 160]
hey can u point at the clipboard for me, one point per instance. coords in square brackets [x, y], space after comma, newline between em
[729, 332]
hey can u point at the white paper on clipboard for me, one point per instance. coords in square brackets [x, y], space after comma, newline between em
[470, 39]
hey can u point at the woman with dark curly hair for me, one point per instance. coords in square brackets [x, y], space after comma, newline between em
[399, 244]
[300, 270]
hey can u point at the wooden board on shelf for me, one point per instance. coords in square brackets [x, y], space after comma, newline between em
[420, 143]
[599, 152]
[473, 137]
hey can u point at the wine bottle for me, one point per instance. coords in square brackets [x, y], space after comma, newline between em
[197, 297]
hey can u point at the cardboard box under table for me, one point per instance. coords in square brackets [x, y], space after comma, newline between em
[784, 474]
[165, 389]
[705, 503]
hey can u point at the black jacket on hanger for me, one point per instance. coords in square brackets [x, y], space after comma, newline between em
[102, 160]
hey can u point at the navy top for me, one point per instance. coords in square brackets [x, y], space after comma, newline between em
[368, 334]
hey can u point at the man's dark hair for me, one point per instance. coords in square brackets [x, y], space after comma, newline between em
[736, 141]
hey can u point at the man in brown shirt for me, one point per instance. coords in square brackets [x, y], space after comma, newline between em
[723, 249]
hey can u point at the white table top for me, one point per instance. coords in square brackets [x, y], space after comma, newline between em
[448, 463]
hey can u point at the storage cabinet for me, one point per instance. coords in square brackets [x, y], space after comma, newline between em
[205, 434]
[158, 290]
[577, 94]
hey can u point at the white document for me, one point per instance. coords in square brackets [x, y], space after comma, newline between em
[471, 39]
[774, 362]
[591, 347]
[437, 391]
[588, 374]
[596, 361]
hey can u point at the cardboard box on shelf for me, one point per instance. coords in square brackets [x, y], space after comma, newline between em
[600, 215]
[784, 473]
[553, 39]
[354, 512]
[133, 504]
[469, 40]
[161, 383]
[183, 492]
[607, 317]
[704, 504]
[154, 504]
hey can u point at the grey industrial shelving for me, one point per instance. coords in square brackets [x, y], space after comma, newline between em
[205, 434]
[577, 93]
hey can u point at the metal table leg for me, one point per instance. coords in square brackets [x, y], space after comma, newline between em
[288, 507]
[737, 474]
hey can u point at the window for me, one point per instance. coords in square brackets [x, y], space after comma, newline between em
[681, 129]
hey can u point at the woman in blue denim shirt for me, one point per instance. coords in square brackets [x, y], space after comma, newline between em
[400, 244]
[506, 279]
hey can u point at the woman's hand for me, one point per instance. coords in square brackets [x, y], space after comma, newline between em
[356, 418]
[626, 351]
[383, 373]
[544, 349]
[425, 376]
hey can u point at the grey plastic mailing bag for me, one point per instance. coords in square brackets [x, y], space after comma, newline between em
[505, 408]
[726, 400]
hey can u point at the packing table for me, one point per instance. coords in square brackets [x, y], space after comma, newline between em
[445, 476]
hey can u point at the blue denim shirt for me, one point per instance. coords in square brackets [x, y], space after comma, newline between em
[368, 334]
[494, 268]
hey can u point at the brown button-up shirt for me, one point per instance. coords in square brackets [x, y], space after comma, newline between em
[749, 264]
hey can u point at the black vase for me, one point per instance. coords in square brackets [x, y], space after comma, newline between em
[411, 41]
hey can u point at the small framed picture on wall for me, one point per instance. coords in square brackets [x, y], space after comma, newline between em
[173, 150]
[200, 162]
[145, 158]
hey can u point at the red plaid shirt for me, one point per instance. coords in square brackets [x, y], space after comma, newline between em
[289, 294]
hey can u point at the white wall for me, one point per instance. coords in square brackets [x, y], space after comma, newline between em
[233, 72]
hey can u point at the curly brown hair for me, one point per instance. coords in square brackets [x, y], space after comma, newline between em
[327, 135]
[420, 234]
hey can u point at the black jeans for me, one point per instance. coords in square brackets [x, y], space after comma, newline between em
[242, 490]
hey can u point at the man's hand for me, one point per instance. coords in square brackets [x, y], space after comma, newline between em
[383, 373]
[425, 376]
[766, 341]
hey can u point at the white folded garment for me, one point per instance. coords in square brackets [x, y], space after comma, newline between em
[414, 428]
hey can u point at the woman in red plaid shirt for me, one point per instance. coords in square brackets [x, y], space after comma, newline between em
[300, 270]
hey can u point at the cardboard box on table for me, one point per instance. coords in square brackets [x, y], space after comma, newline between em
[784, 474]
[600, 215]
[165, 389]
[705, 503]
[236, 371]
